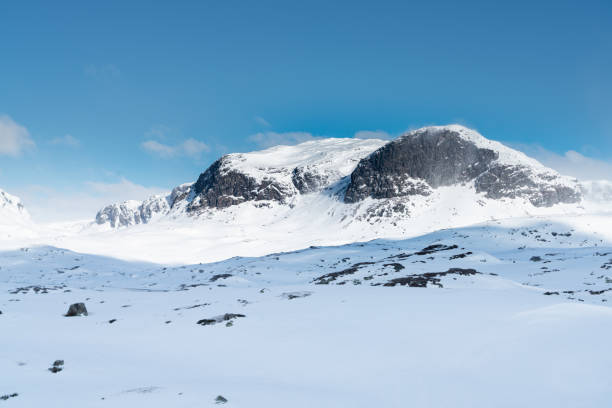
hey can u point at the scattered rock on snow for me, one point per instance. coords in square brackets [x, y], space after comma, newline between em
[220, 399]
[218, 319]
[220, 276]
[295, 295]
[421, 280]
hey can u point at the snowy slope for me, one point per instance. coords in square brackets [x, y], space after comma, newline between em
[507, 313]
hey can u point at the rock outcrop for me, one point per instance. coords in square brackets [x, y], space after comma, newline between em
[434, 157]
[220, 186]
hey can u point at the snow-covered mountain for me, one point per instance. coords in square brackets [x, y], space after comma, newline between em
[15, 222]
[11, 209]
[389, 177]
[134, 212]
[278, 174]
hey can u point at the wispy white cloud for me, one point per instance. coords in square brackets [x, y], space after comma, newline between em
[159, 132]
[160, 149]
[66, 140]
[193, 148]
[47, 204]
[262, 121]
[269, 139]
[14, 138]
[190, 147]
[104, 71]
[373, 134]
[570, 163]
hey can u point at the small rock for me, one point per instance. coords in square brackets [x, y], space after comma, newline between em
[57, 366]
[111, 321]
[218, 319]
[295, 295]
[220, 399]
[77, 309]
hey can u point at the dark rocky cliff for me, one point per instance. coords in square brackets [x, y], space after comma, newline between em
[220, 187]
[436, 157]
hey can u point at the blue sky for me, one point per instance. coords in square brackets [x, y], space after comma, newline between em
[109, 100]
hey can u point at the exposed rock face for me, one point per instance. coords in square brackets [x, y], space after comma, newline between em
[307, 180]
[433, 157]
[541, 189]
[220, 186]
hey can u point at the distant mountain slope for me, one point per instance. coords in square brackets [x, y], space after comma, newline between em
[12, 210]
[11, 207]
[15, 220]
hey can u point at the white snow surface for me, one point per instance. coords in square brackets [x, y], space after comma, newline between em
[529, 327]
[253, 229]
[334, 157]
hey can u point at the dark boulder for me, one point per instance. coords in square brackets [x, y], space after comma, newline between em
[77, 309]
[58, 365]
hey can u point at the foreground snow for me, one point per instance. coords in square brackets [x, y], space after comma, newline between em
[514, 313]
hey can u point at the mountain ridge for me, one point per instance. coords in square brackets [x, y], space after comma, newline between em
[415, 164]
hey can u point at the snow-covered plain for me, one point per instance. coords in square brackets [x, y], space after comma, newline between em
[523, 320]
